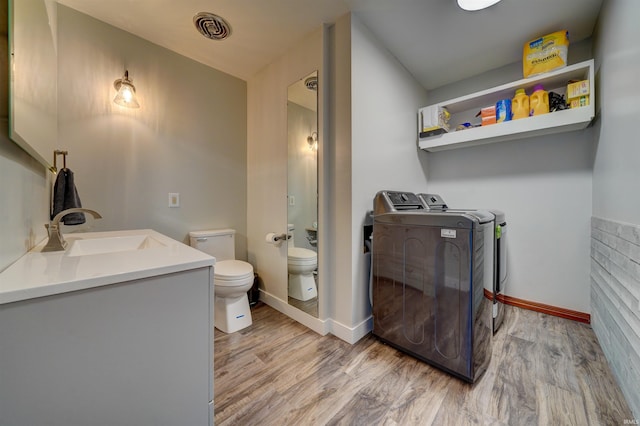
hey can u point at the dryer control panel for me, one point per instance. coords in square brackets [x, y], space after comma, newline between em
[433, 201]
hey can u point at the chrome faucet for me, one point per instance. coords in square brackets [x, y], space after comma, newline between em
[56, 240]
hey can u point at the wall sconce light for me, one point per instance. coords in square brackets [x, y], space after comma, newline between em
[313, 141]
[126, 95]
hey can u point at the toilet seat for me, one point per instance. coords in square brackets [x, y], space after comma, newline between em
[231, 273]
[305, 262]
[301, 256]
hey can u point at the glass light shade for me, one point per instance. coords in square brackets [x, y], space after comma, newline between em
[126, 95]
[313, 141]
[473, 5]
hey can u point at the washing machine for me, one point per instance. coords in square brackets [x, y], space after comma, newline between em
[428, 273]
[499, 280]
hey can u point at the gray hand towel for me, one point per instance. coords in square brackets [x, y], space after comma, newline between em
[65, 196]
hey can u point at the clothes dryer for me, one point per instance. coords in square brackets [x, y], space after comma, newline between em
[499, 279]
[501, 269]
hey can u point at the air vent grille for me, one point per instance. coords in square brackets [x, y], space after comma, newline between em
[212, 26]
[311, 83]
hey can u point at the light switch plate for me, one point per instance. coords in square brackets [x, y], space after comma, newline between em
[174, 199]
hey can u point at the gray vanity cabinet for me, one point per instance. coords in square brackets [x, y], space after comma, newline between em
[138, 353]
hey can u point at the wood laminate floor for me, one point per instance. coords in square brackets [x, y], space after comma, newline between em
[544, 371]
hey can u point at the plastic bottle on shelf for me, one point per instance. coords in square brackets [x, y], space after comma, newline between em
[520, 105]
[539, 101]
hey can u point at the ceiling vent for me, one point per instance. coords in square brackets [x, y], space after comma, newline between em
[311, 83]
[212, 26]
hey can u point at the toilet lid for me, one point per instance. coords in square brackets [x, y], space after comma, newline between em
[233, 270]
[299, 253]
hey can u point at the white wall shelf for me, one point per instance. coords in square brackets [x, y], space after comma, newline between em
[464, 109]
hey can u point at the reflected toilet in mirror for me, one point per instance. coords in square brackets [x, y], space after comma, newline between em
[302, 193]
[301, 264]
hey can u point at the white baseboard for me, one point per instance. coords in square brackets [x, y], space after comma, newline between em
[351, 334]
[348, 334]
[319, 326]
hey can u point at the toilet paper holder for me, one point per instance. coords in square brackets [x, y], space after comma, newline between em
[276, 239]
[282, 237]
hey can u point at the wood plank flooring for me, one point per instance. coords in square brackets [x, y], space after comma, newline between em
[544, 371]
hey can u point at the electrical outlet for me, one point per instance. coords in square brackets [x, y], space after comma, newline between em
[174, 199]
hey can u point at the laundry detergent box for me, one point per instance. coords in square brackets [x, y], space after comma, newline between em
[578, 102]
[577, 89]
[435, 120]
[578, 93]
[488, 115]
[545, 53]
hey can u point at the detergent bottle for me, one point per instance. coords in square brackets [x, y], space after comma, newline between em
[520, 105]
[539, 101]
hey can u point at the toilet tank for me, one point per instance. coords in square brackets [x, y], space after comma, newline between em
[219, 243]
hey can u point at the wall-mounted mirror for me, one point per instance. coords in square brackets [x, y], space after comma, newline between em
[302, 179]
[33, 93]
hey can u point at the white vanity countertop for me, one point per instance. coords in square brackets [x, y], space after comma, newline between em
[38, 274]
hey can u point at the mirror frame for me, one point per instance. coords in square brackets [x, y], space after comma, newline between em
[33, 77]
[311, 306]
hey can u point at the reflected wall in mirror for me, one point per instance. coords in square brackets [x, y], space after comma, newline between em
[302, 181]
[33, 96]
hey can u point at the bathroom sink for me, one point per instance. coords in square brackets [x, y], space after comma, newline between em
[95, 259]
[88, 246]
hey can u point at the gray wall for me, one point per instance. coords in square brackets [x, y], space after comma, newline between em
[615, 173]
[543, 185]
[189, 136]
[337, 204]
[384, 152]
[615, 234]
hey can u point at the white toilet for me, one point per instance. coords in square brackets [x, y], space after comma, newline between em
[232, 278]
[301, 263]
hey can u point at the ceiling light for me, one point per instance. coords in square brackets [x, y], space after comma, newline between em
[126, 95]
[473, 5]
